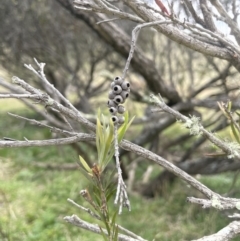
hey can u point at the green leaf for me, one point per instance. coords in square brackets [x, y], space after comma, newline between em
[110, 192]
[97, 195]
[122, 130]
[100, 133]
[99, 136]
[235, 133]
[109, 178]
[108, 146]
[105, 139]
[85, 165]
[115, 238]
[104, 235]
[114, 218]
[103, 218]
[229, 106]
[109, 139]
[104, 142]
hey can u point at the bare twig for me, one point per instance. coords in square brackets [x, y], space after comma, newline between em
[103, 8]
[135, 33]
[121, 195]
[50, 118]
[18, 96]
[232, 24]
[217, 202]
[51, 142]
[76, 221]
[38, 123]
[197, 129]
[87, 210]
[49, 86]
[107, 20]
[235, 215]
[227, 233]
[67, 122]
[131, 234]
[49, 102]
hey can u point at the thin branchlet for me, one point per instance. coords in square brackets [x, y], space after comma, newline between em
[195, 127]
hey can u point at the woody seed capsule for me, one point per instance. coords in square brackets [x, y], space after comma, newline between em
[117, 89]
[115, 119]
[112, 85]
[118, 80]
[113, 110]
[125, 85]
[118, 99]
[111, 94]
[125, 94]
[111, 103]
[121, 109]
[121, 120]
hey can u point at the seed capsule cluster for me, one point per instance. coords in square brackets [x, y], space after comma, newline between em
[117, 95]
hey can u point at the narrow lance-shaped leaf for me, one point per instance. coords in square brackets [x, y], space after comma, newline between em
[85, 165]
[235, 133]
[229, 106]
[122, 130]
[105, 221]
[101, 142]
[105, 155]
[105, 139]
[104, 235]
[110, 136]
[237, 113]
[114, 218]
[108, 142]
[98, 135]
[115, 238]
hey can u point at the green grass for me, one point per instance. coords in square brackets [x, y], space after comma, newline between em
[33, 201]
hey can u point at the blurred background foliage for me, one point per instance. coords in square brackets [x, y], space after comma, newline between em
[81, 61]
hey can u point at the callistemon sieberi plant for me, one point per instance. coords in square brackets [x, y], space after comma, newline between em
[109, 133]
